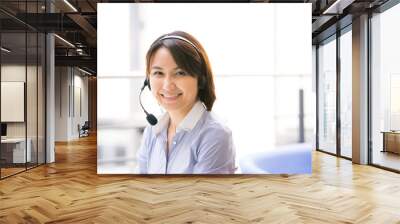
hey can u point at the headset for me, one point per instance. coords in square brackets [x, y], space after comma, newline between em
[150, 117]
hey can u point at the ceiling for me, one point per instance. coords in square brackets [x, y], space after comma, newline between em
[76, 22]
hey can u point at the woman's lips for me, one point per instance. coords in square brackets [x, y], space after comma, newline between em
[170, 98]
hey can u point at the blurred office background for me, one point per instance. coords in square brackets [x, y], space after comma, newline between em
[264, 83]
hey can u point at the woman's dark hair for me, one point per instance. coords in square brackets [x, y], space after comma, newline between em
[193, 60]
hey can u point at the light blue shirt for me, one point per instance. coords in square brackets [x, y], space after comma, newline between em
[201, 145]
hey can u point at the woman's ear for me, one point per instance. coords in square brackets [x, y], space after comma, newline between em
[202, 82]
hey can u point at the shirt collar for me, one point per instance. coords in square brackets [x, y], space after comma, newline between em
[187, 123]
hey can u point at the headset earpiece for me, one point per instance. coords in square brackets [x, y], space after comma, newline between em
[147, 83]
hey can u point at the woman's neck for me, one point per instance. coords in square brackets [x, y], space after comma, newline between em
[177, 116]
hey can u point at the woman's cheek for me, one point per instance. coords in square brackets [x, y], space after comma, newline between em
[158, 97]
[154, 93]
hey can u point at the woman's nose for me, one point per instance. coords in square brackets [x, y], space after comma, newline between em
[169, 83]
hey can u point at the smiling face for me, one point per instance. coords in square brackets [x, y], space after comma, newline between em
[174, 89]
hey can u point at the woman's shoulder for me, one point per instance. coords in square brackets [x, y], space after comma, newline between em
[214, 123]
[214, 136]
[148, 132]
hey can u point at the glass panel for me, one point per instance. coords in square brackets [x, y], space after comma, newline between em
[327, 96]
[309, 108]
[115, 154]
[290, 116]
[31, 85]
[22, 63]
[385, 89]
[120, 125]
[346, 94]
[41, 99]
[256, 96]
[31, 100]
[13, 86]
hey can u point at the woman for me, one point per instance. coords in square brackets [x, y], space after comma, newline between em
[188, 138]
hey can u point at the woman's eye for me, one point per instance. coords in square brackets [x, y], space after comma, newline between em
[157, 73]
[182, 73]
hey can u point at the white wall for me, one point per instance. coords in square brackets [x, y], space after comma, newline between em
[61, 103]
[69, 82]
[14, 72]
[79, 117]
[33, 126]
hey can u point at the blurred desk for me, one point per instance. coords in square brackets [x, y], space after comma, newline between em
[13, 150]
[391, 141]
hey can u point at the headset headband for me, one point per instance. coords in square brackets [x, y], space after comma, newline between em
[180, 38]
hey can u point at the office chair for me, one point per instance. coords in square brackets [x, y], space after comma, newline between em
[84, 130]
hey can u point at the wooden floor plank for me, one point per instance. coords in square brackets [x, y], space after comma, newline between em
[70, 191]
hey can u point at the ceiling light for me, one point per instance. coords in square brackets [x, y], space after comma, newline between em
[84, 71]
[338, 6]
[64, 40]
[70, 5]
[5, 50]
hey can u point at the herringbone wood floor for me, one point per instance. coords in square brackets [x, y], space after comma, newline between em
[70, 191]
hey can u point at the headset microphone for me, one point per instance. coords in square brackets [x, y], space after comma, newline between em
[150, 117]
